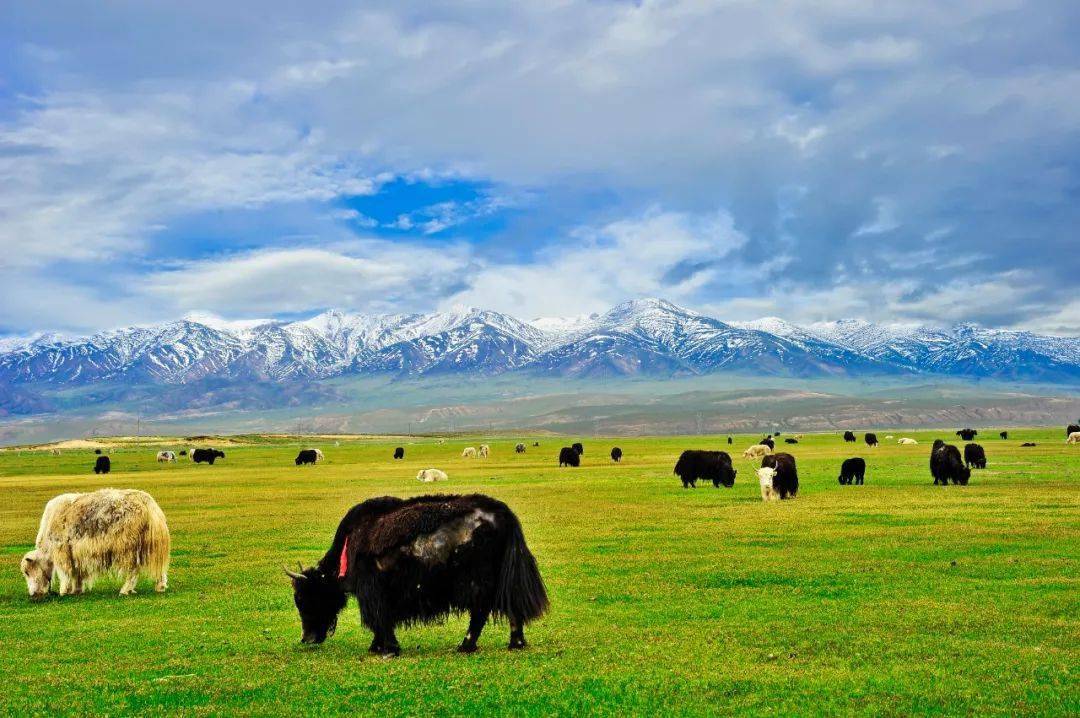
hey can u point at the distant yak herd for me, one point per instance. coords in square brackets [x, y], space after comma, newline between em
[947, 463]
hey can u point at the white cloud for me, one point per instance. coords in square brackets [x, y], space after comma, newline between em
[598, 267]
[87, 178]
[372, 275]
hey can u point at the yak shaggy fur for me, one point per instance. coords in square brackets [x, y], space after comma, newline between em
[85, 535]
[418, 560]
[715, 466]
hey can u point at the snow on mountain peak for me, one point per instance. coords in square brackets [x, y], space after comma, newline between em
[641, 335]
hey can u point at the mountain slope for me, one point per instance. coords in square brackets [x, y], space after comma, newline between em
[648, 337]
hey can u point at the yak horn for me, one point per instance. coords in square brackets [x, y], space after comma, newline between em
[294, 574]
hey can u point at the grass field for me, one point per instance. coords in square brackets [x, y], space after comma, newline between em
[893, 598]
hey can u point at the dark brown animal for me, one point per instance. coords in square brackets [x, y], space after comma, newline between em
[417, 561]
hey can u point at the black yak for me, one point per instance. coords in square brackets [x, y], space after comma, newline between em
[852, 471]
[974, 456]
[712, 466]
[1071, 429]
[1004, 435]
[1026, 444]
[306, 456]
[569, 457]
[791, 441]
[536, 443]
[183, 452]
[849, 436]
[946, 465]
[616, 454]
[870, 439]
[399, 453]
[207, 455]
[97, 451]
[967, 434]
[767, 441]
[102, 465]
[578, 448]
[786, 479]
[729, 441]
[418, 560]
[520, 449]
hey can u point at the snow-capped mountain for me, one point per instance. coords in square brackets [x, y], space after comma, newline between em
[642, 337]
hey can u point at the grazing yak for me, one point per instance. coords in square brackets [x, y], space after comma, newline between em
[768, 442]
[484, 451]
[791, 441]
[1071, 429]
[519, 449]
[82, 536]
[852, 471]
[536, 443]
[318, 454]
[616, 454]
[207, 455]
[399, 453]
[418, 560]
[946, 465]
[730, 441]
[576, 446]
[306, 456]
[429, 475]
[469, 452]
[967, 434]
[974, 455]
[102, 465]
[756, 451]
[785, 479]
[712, 466]
[569, 457]
[765, 480]
[165, 456]
[1027, 444]
[1004, 435]
[905, 441]
[849, 436]
[1074, 438]
[870, 439]
[97, 451]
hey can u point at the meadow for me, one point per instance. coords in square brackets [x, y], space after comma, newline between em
[893, 598]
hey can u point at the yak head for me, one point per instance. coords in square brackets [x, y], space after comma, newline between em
[38, 570]
[727, 478]
[319, 599]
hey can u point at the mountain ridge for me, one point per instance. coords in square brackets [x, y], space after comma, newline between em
[649, 337]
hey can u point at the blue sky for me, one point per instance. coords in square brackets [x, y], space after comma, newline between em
[893, 161]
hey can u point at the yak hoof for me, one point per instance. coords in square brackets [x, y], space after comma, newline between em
[467, 648]
[517, 645]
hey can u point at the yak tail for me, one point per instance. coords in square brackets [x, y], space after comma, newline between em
[521, 595]
[157, 542]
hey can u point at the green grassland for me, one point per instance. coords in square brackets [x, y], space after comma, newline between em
[893, 598]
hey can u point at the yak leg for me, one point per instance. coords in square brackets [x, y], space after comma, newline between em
[129, 584]
[517, 636]
[385, 642]
[477, 619]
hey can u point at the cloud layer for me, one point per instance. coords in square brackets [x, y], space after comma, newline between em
[900, 162]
